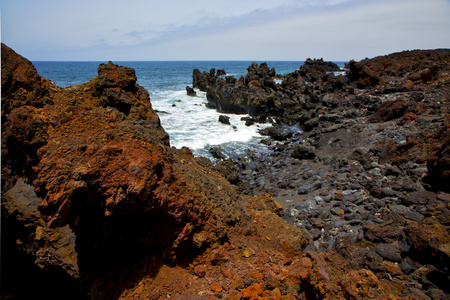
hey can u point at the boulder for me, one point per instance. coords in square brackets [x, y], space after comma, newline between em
[221, 72]
[228, 170]
[217, 153]
[390, 110]
[19, 76]
[224, 119]
[429, 244]
[278, 133]
[315, 70]
[203, 81]
[363, 75]
[304, 152]
[191, 92]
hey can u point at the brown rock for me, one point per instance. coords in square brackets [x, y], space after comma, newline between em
[429, 242]
[219, 256]
[393, 269]
[252, 291]
[226, 272]
[200, 271]
[363, 75]
[363, 284]
[276, 293]
[21, 84]
[420, 197]
[234, 295]
[386, 232]
[389, 110]
[216, 287]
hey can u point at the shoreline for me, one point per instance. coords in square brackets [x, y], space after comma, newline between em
[102, 207]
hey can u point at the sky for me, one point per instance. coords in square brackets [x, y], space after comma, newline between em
[261, 30]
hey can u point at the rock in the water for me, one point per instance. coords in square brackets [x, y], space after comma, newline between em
[191, 92]
[278, 133]
[224, 119]
[221, 72]
[217, 153]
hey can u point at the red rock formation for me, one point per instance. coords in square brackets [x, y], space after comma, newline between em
[95, 201]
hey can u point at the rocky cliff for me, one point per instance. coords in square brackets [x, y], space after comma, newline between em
[96, 204]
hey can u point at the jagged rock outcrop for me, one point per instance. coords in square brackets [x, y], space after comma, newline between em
[254, 94]
[191, 92]
[420, 66]
[103, 187]
[97, 205]
[314, 70]
[291, 102]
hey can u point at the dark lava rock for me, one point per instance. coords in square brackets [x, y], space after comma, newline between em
[278, 133]
[439, 166]
[314, 70]
[363, 75]
[217, 153]
[224, 119]
[390, 252]
[221, 72]
[311, 124]
[248, 121]
[303, 152]
[407, 213]
[305, 189]
[420, 197]
[228, 170]
[190, 91]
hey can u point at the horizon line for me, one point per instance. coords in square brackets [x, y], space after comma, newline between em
[188, 60]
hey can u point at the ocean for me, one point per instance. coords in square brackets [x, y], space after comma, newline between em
[186, 119]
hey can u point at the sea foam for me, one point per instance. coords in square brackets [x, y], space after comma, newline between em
[191, 124]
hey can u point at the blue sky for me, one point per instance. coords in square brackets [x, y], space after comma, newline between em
[222, 30]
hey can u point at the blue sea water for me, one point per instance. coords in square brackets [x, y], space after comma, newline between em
[187, 120]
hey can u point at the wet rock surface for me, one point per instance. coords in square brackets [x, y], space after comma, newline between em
[96, 204]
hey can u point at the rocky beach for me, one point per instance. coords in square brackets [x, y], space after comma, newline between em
[351, 202]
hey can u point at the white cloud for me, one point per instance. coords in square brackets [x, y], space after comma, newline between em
[233, 29]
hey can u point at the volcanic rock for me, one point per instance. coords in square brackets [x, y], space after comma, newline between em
[221, 72]
[98, 205]
[439, 166]
[190, 91]
[304, 152]
[224, 120]
[363, 75]
[315, 70]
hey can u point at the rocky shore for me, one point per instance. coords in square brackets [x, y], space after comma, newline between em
[97, 205]
[368, 175]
